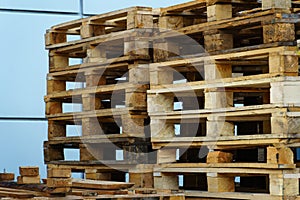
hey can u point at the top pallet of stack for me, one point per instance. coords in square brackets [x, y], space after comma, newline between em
[99, 25]
[238, 6]
[229, 25]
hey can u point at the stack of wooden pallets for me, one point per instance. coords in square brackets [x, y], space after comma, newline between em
[108, 59]
[218, 80]
[238, 101]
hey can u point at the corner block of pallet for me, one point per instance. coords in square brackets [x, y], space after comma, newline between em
[220, 183]
[287, 123]
[219, 157]
[280, 185]
[89, 30]
[218, 12]
[218, 126]
[284, 4]
[59, 182]
[59, 173]
[7, 177]
[56, 129]
[91, 126]
[165, 181]
[52, 37]
[282, 155]
[281, 63]
[133, 125]
[29, 179]
[160, 128]
[139, 19]
[286, 92]
[279, 32]
[93, 174]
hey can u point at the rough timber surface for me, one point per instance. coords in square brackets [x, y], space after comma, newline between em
[227, 142]
[110, 64]
[193, 195]
[238, 22]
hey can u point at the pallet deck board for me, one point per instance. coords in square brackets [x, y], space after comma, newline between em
[104, 185]
[226, 142]
[116, 112]
[105, 89]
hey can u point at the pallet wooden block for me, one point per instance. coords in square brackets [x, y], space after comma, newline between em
[93, 174]
[281, 186]
[284, 4]
[219, 157]
[285, 92]
[142, 176]
[29, 179]
[59, 173]
[220, 183]
[7, 177]
[281, 155]
[165, 181]
[29, 171]
[59, 182]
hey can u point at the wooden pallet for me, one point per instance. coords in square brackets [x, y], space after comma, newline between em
[99, 44]
[102, 24]
[141, 175]
[220, 177]
[134, 151]
[250, 58]
[224, 34]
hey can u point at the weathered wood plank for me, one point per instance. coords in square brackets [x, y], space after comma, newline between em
[104, 185]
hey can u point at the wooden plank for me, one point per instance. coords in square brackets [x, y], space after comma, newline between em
[95, 139]
[85, 192]
[184, 6]
[229, 195]
[110, 64]
[283, 50]
[99, 113]
[250, 166]
[101, 185]
[237, 171]
[104, 89]
[223, 145]
[92, 165]
[14, 193]
[95, 40]
[228, 112]
[257, 81]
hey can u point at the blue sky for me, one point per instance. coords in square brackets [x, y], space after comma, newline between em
[23, 72]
